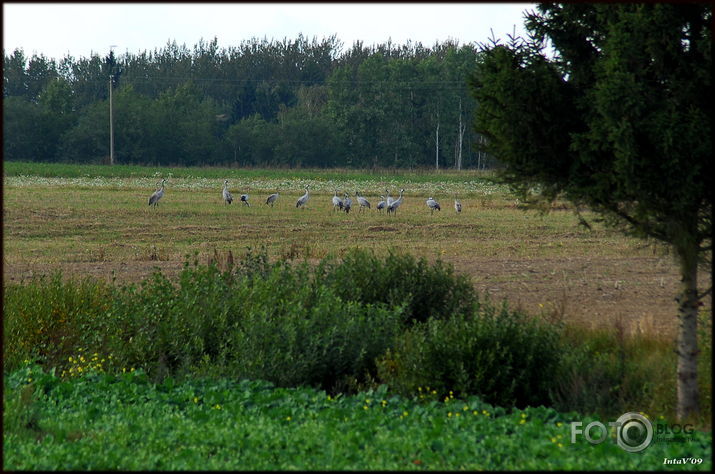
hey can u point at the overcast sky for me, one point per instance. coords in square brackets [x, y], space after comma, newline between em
[80, 29]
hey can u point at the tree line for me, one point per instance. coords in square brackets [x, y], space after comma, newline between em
[290, 103]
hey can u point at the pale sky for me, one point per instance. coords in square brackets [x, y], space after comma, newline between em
[81, 29]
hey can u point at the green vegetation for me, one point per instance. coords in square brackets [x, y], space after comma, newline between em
[329, 327]
[291, 103]
[501, 355]
[605, 122]
[26, 170]
[126, 422]
[325, 315]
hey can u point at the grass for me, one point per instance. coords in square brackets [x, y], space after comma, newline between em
[125, 422]
[59, 219]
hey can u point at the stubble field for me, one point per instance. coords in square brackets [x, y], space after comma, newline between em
[96, 221]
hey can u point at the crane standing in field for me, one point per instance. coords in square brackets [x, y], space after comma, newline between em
[362, 201]
[381, 205]
[347, 203]
[337, 203]
[389, 199]
[303, 199]
[154, 198]
[433, 205]
[227, 196]
[272, 199]
[457, 204]
[244, 199]
[392, 208]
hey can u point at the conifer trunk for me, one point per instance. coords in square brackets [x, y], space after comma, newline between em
[688, 400]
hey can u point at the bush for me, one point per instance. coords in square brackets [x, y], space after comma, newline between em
[281, 328]
[48, 317]
[502, 356]
[395, 280]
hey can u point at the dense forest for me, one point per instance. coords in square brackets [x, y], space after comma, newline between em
[290, 103]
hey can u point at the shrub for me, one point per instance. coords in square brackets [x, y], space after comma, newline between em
[500, 355]
[281, 327]
[425, 290]
[46, 318]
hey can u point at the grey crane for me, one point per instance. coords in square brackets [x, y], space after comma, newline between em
[337, 203]
[154, 198]
[244, 199]
[457, 204]
[389, 200]
[347, 203]
[381, 205]
[227, 196]
[433, 205]
[362, 201]
[272, 199]
[392, 208]
[303, 199]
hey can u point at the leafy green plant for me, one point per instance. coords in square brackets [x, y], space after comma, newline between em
[396, 279]
[126, 422]
[500, 355]
[48, 317]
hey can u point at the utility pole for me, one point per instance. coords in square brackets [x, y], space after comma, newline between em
[111, 125]
[111, 118]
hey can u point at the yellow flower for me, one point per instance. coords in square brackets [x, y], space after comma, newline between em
[404, 413]
[384, 402]
[288, 418]
[196, 399]
[475, 412]
[522, 421]
[465, 408]
[560, 445]
[559, 424]
[365, 407]
[449, 414]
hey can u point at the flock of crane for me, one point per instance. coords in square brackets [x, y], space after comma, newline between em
[344, 204]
